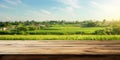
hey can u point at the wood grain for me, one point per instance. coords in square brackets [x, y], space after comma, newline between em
[59, 57]
[60, 47]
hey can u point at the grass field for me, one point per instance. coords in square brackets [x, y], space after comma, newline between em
[59, 37]
[73, 28]
[66, 30]
[60, 32]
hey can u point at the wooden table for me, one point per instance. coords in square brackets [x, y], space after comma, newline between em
[59, 50]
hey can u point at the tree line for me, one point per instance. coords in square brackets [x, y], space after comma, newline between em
[22, 27]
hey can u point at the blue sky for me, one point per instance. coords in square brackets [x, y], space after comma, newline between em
[70, 10]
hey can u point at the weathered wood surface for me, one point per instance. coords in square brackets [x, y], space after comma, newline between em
[59, 57]
[60, 47]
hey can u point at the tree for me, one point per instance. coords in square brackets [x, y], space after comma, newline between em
[62, 22]
[22, 28]
[106, 31]
[2, 24]
[89, 24]
[5, 25]
[103, 22]
[115, 25]
[114, 28]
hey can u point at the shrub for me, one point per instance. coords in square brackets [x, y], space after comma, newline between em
[107, 31]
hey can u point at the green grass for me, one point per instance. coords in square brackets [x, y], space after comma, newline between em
[73, 29]
[68, 30]
[57, 29]
[59, 37]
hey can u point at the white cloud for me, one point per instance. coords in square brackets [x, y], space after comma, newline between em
[10, 4]
[71, 3]
[8, 18]
[45, 12]
[69, 9]
[3, 6]
[38, 12]
[39, 15]
[70, 6]
[13, 2]
[108, 8]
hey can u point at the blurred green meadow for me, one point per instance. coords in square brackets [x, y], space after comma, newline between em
[60, 30]
[60, 37]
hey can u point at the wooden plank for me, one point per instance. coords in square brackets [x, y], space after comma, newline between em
[60, 47]
[59, 57]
